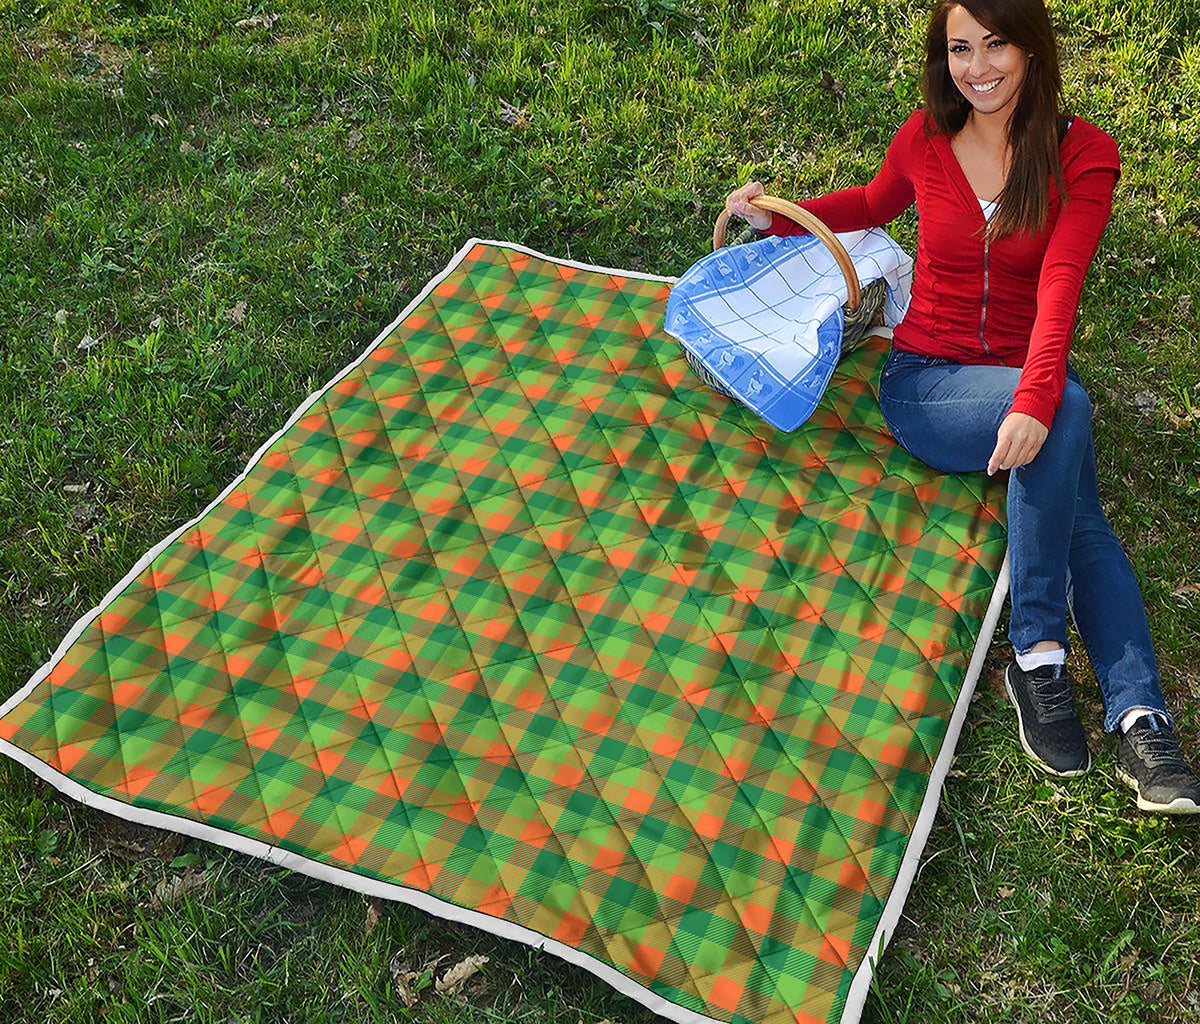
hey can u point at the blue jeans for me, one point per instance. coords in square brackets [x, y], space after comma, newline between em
[1062, 550]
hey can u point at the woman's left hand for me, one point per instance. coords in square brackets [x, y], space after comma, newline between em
[1018, 441]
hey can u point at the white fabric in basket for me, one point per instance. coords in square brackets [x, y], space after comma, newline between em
[765, 318]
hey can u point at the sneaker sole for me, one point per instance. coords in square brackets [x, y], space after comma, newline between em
[1073, 773]
[1180, 805]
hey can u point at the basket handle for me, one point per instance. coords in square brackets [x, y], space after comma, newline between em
[806, 220]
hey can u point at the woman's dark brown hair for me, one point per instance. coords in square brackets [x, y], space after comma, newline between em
[1035, 126]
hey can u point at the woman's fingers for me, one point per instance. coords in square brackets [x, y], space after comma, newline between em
[1018, 441]
[999, 459]
[737, 203]
[745, 192]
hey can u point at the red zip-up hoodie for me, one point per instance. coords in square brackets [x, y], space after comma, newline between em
[1010, 301]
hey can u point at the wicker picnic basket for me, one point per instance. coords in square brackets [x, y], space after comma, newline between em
[862, 308]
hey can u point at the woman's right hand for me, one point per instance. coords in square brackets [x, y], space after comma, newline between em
[737, 203]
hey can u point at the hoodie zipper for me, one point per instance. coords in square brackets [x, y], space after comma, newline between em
[983, 309]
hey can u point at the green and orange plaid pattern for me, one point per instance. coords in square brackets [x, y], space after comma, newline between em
[518, 615]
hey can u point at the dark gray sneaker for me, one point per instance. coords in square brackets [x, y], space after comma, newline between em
[1051, 732]
[1149, 760]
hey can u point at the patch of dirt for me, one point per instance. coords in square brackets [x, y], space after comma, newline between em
[85, 55]
[131, 842]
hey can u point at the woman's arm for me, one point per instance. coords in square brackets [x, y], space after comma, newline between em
[1072, 247]
[879, 202]
[888, 194]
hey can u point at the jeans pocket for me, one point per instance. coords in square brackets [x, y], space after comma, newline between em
[900, 362]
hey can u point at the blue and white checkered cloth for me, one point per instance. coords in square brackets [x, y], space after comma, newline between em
[765, 319]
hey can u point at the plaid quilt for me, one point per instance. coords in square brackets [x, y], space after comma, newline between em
[517, 622]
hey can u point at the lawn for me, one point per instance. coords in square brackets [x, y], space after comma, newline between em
[207, 208]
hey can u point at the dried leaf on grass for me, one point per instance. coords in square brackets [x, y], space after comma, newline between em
[460, 972]
[410, 983]
[513, 116]
[257, 21]
[831, 84]
[374, 913]
[169, 890]
[1145, 401]
[405, 985]
[238, 313]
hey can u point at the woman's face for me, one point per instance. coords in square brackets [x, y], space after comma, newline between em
[987, 69]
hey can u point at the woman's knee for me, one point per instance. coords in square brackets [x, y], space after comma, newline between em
[1073, 419]
[1076, 403]
[1071, 431]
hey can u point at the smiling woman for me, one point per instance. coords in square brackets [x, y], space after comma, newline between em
[1012, 198]
[997, 91]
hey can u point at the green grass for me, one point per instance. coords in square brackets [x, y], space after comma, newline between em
[199, 223]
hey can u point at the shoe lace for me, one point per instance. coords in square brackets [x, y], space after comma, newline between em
[1053, 693]
[1160, 750]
